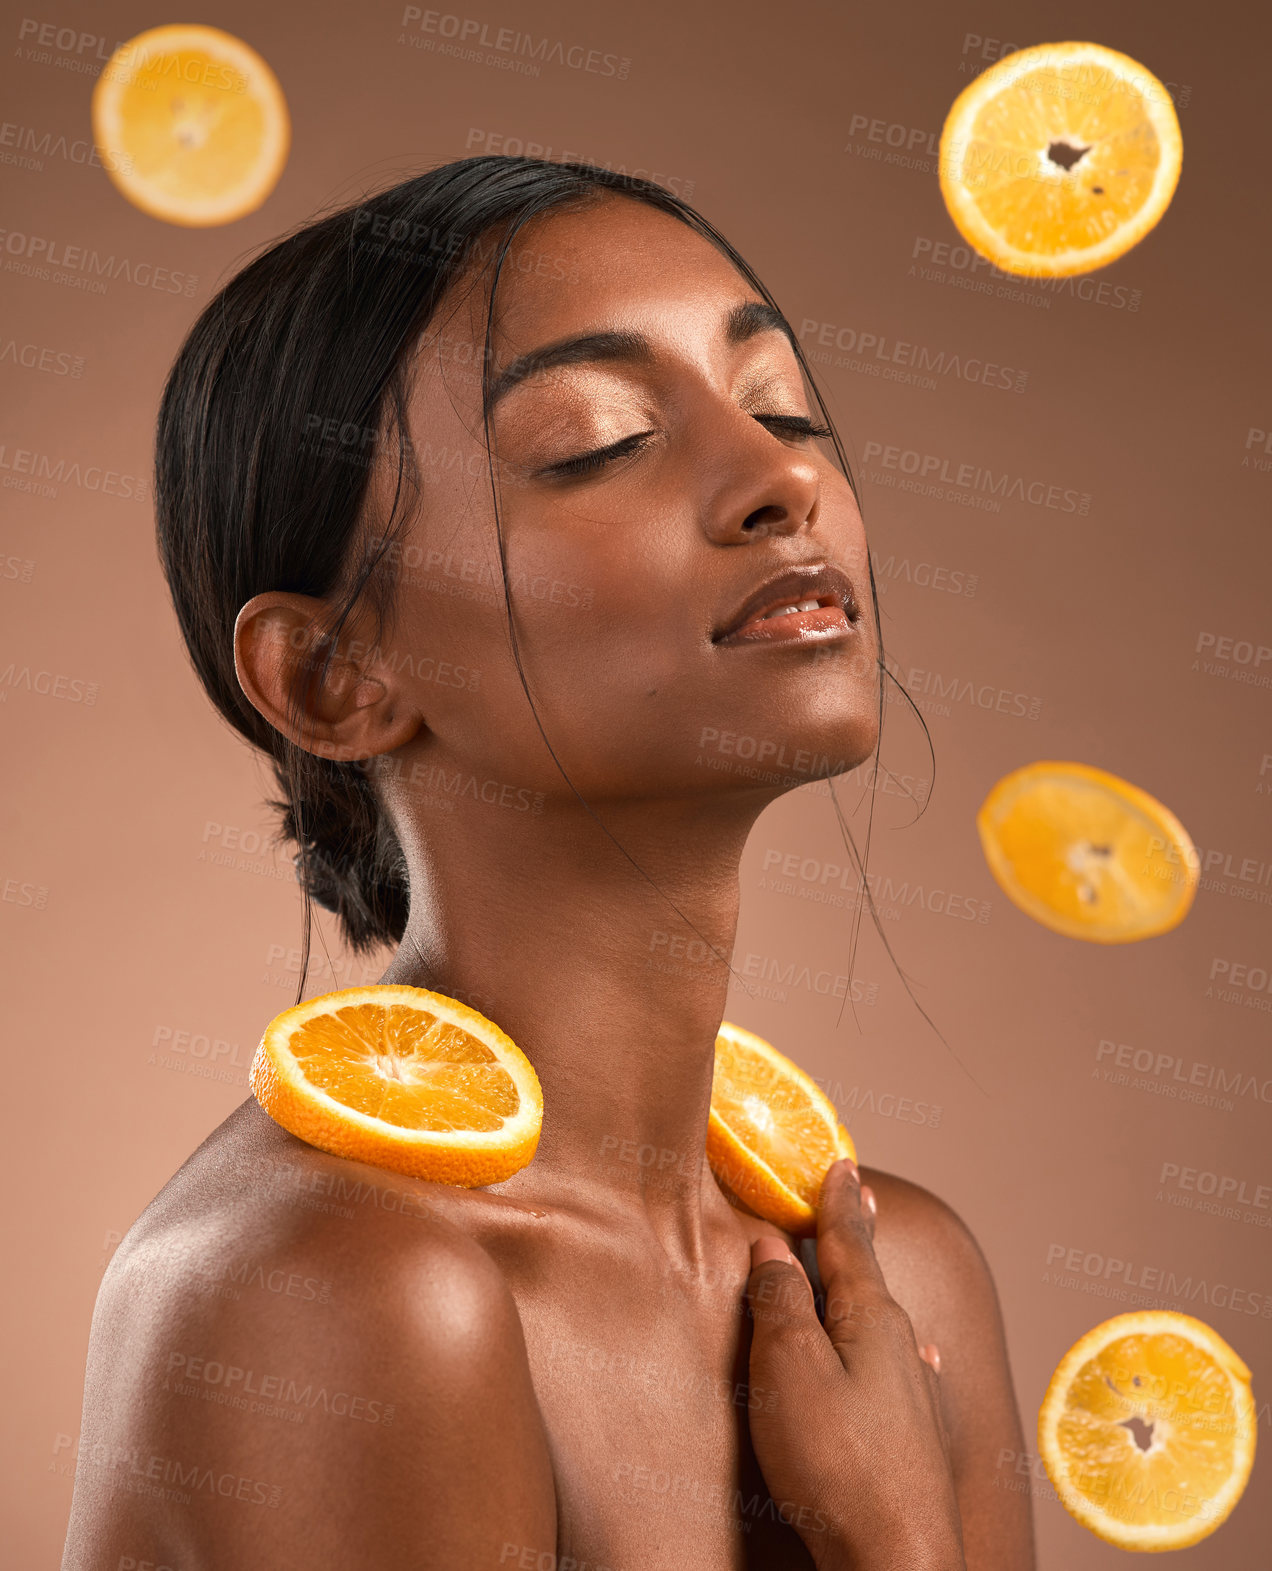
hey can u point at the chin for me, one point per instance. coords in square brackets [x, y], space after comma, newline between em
[790, 754]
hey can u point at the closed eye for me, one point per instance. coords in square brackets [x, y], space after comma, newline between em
[794, 425]
[588, 463]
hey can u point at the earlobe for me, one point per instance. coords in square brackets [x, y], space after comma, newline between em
[347, 711]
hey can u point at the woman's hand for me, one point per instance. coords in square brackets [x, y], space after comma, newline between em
[853, 1451]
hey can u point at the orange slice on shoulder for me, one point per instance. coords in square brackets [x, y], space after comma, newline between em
[772, 1131]
[1088, 854]
[402, 1078]
[1147, 1430]
[1059, 158]
[191, 124]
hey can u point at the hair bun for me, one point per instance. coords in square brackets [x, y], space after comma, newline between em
[348, 858]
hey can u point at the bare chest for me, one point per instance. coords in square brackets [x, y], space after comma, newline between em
[646, 1401]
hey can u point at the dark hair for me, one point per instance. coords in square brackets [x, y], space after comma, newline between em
[291, 387]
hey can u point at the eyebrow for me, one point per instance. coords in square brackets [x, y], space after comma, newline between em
[742, 322]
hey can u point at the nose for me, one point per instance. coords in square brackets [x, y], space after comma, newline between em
[754, 483]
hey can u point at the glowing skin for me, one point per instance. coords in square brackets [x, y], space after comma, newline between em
[562, 1347]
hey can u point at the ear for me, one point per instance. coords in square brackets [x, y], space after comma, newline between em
[359, 709]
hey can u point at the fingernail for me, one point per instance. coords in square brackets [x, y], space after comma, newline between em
[769, 1248]
[848, 1162]
[933, 1355]
[868, 1200]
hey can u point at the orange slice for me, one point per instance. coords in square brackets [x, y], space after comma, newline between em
[402, 1078]
[772, 1131]
[1147, 1430]
[191, 124]
[1059, 158]
[1087, 854]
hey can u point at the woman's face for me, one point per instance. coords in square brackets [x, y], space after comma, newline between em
[624, 572]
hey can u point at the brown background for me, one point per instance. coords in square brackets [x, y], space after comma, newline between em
[137, 904]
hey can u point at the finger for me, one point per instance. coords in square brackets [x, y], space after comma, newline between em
[792, 1277]
[846, 1260]
[778, 1292]
[789, 1349]
[931, 1356]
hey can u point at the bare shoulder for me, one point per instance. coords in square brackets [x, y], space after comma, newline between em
[938, 1273]
[931, 1259]
[299, 1360]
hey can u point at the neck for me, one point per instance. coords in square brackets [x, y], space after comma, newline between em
[549, 930]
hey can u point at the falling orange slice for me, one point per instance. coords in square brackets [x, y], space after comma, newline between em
[772, 1132]
[402, 1078]
[1147, 1430]
[1059, 158]
[191, 124]
[1087, 854]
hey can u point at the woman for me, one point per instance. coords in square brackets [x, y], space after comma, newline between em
[510, 372]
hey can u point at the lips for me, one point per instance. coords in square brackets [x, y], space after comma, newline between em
[828, 585]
